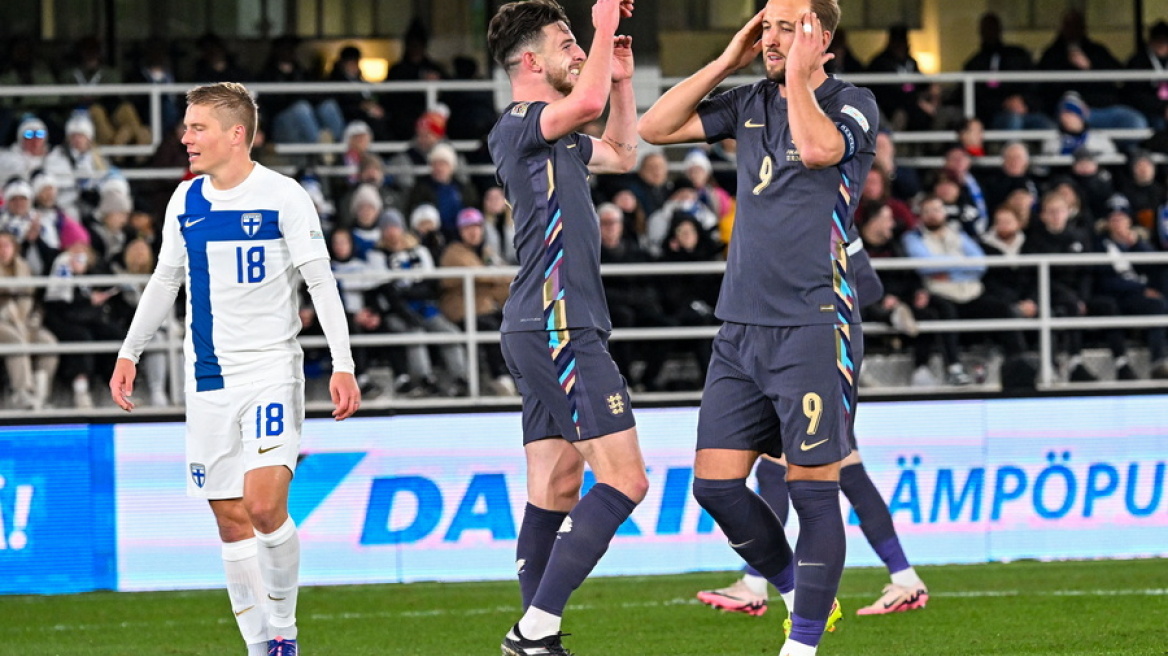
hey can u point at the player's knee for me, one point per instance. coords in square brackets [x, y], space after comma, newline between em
[635, 487]
[717, 495]
[266, 515]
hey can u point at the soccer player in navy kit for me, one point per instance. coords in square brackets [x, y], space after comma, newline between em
[236, 235]
[555, 322]
[782, 377]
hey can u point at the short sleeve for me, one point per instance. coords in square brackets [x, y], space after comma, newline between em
[858, 119]
[583, 147]
[300, 226]
[719, 114]
[521, 127]
[173, 250]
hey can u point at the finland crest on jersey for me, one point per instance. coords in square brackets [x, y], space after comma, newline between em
[251, 222]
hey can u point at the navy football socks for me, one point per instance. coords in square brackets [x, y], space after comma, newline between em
[750, 526]
[581, 541]
[875, 520]
[819, 556]
[537, 536]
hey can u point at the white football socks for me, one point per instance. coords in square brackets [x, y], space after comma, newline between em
[792, 648]
[279, 560]
[906, 578]
[756, 584]
[537, 623]
[245, 588]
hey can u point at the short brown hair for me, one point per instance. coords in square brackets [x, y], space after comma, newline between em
[519, 24]
[828, 12]
[234, 102]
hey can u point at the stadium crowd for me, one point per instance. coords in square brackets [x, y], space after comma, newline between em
[67, 212]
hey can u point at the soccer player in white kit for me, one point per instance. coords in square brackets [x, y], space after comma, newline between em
[236, 235]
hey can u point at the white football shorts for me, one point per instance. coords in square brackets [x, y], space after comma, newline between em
[234, 430]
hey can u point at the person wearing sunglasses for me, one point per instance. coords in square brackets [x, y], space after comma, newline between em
[27, 154]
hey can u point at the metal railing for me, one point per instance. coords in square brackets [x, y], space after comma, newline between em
[1045, 324]
[651, 87]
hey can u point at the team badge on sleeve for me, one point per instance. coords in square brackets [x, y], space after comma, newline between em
[251, 222]
[198, 473]
[520, 109]
[858, 115]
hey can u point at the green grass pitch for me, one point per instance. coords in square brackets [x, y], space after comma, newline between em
[1065, 608]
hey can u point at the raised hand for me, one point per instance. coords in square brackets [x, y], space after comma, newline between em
[807, 52]
[745, 45]
[622, 58]
[606, 14]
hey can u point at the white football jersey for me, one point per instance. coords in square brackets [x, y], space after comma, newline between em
[241, 248]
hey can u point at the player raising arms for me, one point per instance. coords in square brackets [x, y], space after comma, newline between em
[556, 323]
[236, 235]
[782, 376]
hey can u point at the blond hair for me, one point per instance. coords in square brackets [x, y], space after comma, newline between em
[233, 103]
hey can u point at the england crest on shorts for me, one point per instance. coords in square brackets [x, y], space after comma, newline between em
[198, 473]
[251, 222]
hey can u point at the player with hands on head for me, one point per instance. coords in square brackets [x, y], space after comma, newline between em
[236, 235]
[782, 376]
[555, 322]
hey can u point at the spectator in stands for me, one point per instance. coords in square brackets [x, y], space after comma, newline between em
[845, 61]
[411, 305]
[1094, 183]
[345, 262]
[361, 104]
[138, 258]
[905, 182]
[27, 153]
[1024, 204]
[635, 219]
[1071, 287]
[69, 231]
[39, 242]
[698, 175]
[81, 313]
[1074, 132]
[371, 173]
[365, 206]
[114, 118]
[660, 225]
[906, 302]
[1151, 97]
[499, 225]
[414, 65]
[1135, 288]
[25, 67]
[958, 208]
[29, 377]
[1014, 284]
[1081, 216]
[876, 193]
[443, 190]
[357, 137]
[633, 301]
[107, 228]
[143, 227]
[691, 303]
[1005, 105]
[295, 117]
[429, 131]
[1141, 189]
[77, 166]
[154, 67]
[898, 99]
[215, 63]
[490, 292]
[327, 210]
[971, 136]
[958, 164]
[652, 185]
[426, 224]
[1073, 50]
[1013, 174]
[953, 280]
